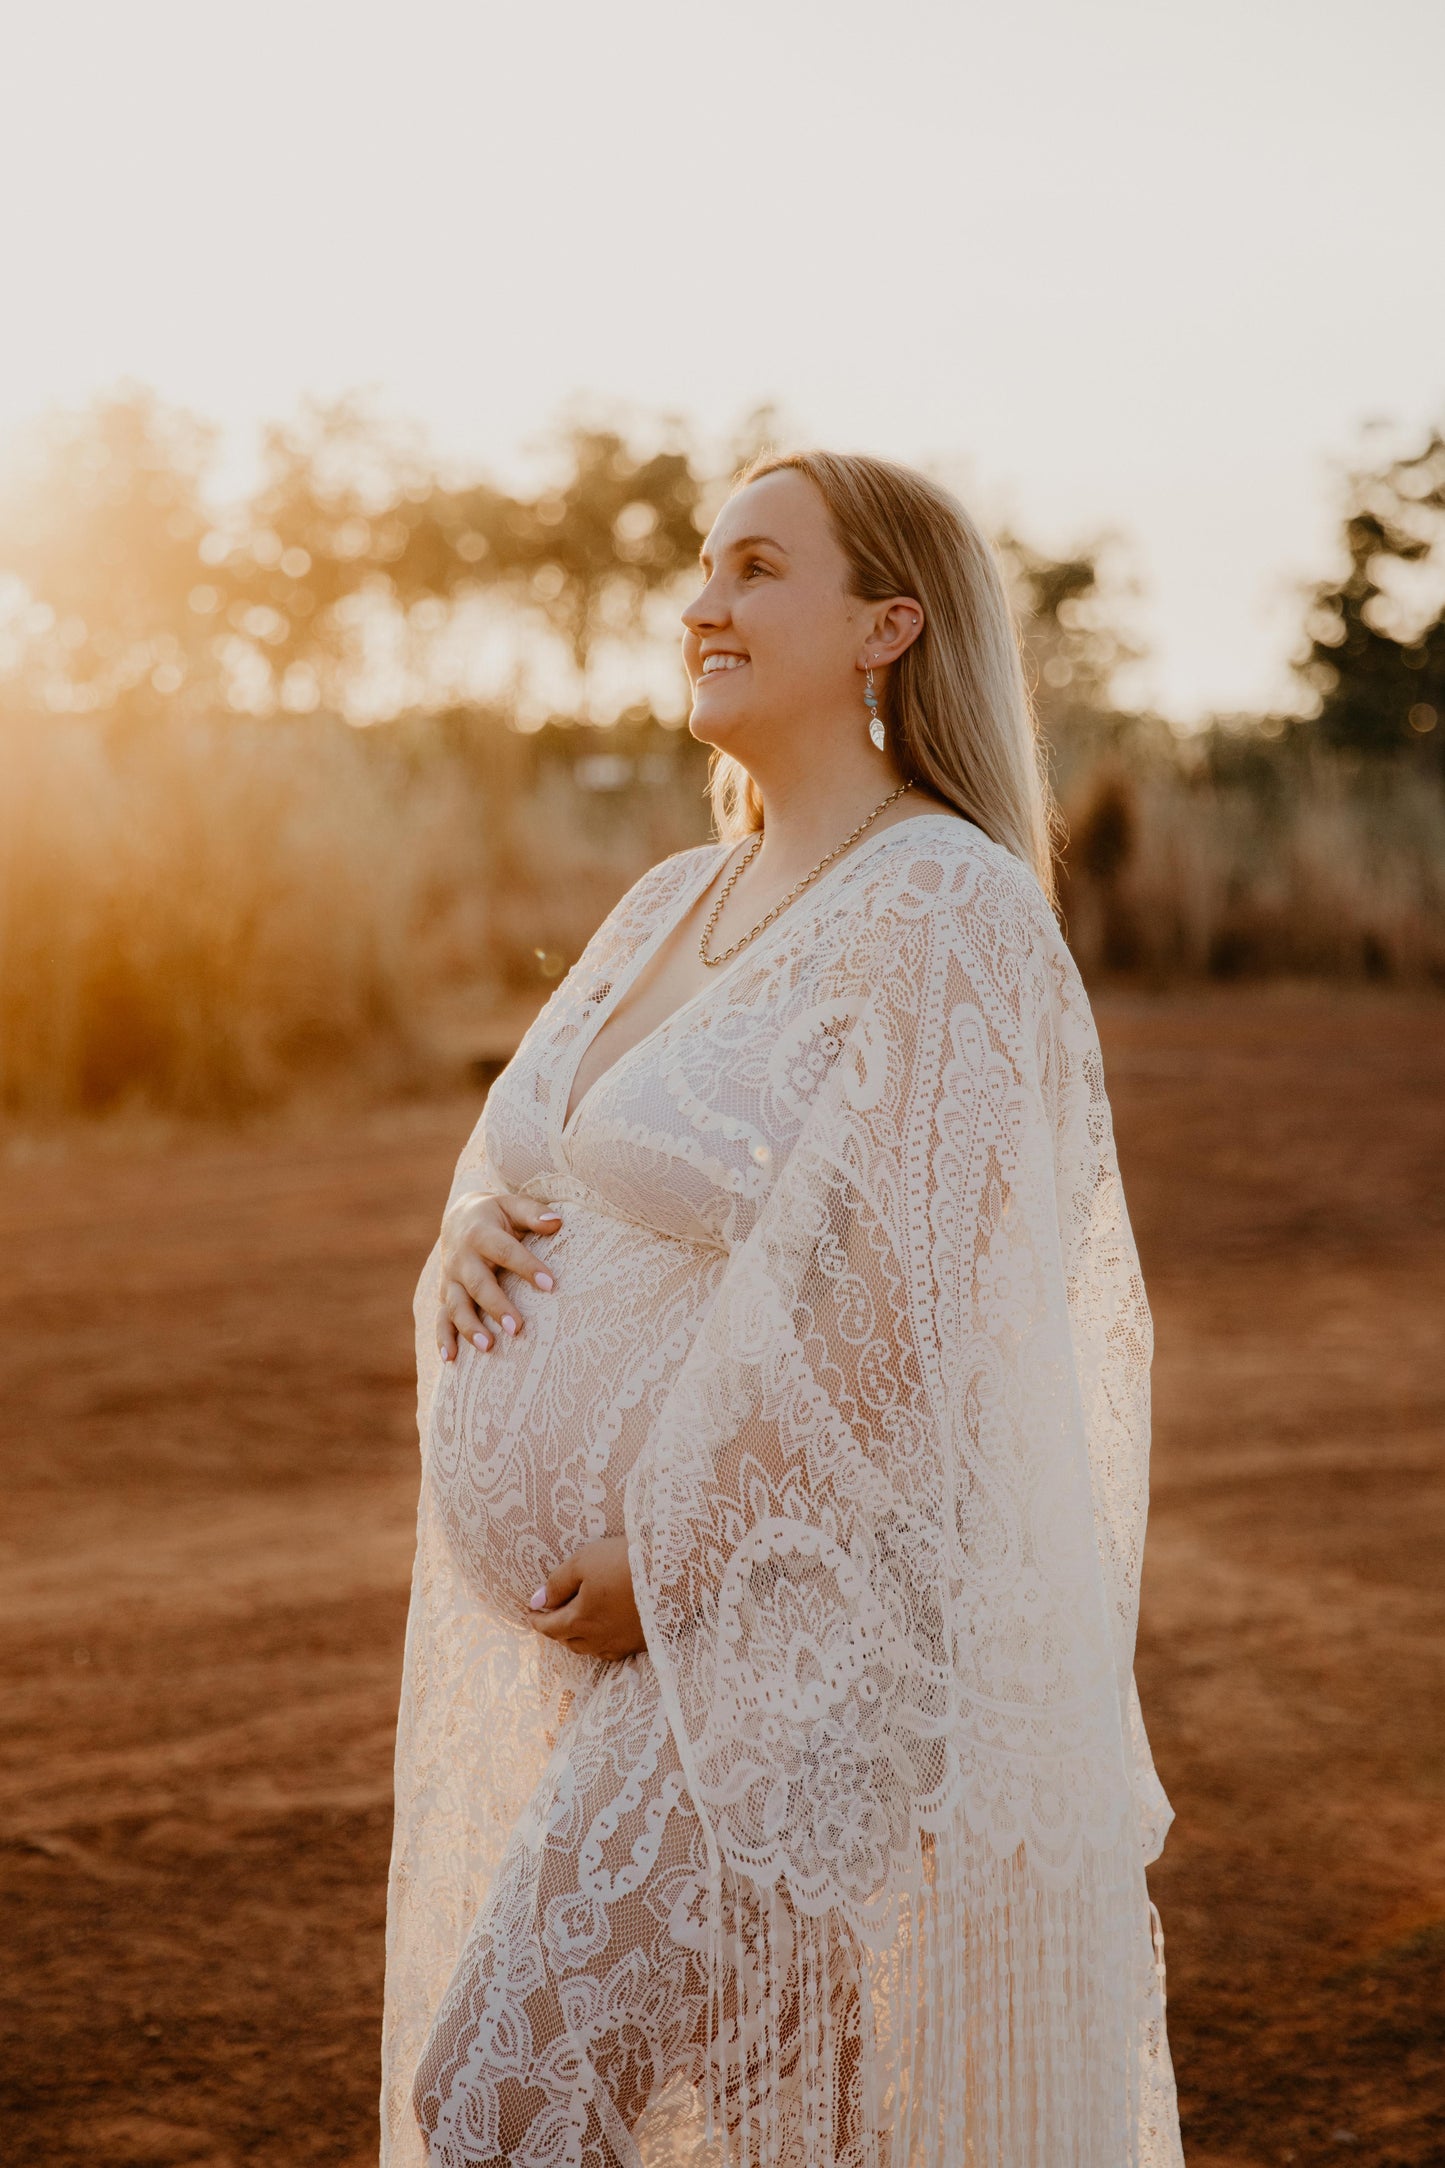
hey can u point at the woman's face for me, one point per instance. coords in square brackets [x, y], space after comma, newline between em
[775, 640]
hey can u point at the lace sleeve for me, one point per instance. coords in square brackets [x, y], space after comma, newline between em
[873, 1557]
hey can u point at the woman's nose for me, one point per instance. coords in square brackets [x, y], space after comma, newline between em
[705, 609]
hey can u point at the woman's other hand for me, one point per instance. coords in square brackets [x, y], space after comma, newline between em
[479, 1240]
[587, 1602]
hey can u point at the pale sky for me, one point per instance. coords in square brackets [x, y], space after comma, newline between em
[1145, 265]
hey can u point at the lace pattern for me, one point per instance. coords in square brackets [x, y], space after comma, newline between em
[850, 1340]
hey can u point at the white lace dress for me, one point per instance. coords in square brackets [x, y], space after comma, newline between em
[847, 1871]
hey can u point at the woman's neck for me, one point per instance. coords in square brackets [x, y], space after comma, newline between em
[807, 817]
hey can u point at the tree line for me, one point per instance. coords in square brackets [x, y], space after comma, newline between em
[125, 588]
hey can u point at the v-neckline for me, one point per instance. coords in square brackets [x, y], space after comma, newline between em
[622, 985]
[625, 980]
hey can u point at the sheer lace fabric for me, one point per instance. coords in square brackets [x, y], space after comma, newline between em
[849, 1340]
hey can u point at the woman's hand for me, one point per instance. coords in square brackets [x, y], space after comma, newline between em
[587, 1602]
[477, 1242]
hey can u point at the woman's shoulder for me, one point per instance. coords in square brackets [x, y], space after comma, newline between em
[977, 899]
[654, 891]
[946, 858]
[693, 857]
[668, 877]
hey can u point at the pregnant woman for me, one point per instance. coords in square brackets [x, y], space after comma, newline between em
[771, 1786]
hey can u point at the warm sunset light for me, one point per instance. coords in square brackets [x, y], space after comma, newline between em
[1122, 267]
[722, 934]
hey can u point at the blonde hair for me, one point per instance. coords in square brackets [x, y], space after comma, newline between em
[957, 709]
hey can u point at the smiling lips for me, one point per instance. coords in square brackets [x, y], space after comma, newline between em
[714, 665]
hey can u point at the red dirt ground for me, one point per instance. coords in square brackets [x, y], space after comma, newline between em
[211, 1470]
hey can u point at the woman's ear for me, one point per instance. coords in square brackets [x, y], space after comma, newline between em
[895, 627]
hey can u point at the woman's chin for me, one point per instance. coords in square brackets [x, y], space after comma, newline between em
[714, 722]
[722, 693]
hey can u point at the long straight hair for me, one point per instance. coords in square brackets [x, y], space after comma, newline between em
[956, 705]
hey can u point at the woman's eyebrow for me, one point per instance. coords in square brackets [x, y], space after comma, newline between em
[745, 542]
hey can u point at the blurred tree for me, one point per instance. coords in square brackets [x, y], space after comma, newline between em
[351, 510]
[341, 527]
[1071, 611]
[353, 553]
[131, 584]
[1099, 850]
[103, 521]
[617, 526]
[1376, 654]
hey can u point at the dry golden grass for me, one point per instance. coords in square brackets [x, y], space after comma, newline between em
[203, 916]
[1317, 871]
[197, 915]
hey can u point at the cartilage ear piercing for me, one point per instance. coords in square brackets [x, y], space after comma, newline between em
[875, 720]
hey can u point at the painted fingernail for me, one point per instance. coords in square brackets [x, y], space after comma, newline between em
[445, 1354]
[482, 1341]
[509, 1324]
[544, 1279]
[539, 1600]
[549, 1211]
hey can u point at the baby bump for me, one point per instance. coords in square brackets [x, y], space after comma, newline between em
[529, 1447]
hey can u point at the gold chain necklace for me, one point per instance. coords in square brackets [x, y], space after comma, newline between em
[747, 860]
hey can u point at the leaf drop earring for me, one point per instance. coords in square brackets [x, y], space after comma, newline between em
[875, 720]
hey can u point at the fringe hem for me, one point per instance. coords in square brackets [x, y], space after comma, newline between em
[1006, 2024]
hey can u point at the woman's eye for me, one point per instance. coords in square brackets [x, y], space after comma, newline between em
[754, 565]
